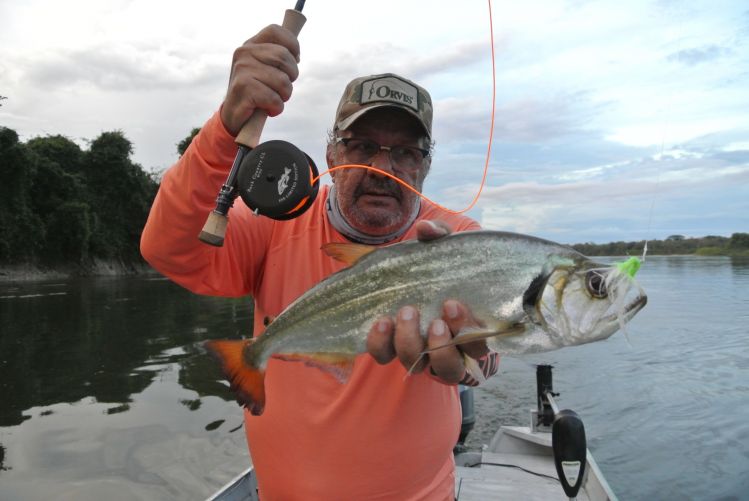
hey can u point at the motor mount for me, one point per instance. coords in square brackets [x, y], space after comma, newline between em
[570, 450]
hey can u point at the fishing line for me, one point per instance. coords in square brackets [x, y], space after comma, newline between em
[488, 149]
[655, 194]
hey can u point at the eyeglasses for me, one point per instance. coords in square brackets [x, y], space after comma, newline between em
[405, 158]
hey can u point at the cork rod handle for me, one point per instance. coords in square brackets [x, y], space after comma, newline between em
[249, 135]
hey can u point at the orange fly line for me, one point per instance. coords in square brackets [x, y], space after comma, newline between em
[488, 150]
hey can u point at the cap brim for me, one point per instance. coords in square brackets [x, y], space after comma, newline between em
[348, 121]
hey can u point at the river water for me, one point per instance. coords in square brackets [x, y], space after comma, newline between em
[105, 393]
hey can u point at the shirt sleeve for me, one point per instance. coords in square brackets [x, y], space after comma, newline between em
[489, 365]
[185, 198]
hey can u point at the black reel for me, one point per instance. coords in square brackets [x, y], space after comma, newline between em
[275, 180]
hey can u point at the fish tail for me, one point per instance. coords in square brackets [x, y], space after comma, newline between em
[247, 382]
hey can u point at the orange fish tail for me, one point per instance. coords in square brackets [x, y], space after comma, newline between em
[247, 382]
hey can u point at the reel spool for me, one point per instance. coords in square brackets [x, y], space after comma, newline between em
[275, 180]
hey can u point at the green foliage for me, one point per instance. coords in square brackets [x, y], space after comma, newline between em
[21, 230]
[185, 143]
[709, 251]
[710, 245]
[739, 241]
[69, 233]
[61, 204]
[58, 177]
[118, 192]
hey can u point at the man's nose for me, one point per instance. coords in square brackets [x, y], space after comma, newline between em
[382, 161]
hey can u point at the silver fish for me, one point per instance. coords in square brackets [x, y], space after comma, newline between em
[530, 294]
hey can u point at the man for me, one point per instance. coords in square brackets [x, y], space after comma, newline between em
[380, 435]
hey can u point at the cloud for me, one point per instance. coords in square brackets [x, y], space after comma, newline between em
[450, 59]
[534, 120]
[699, 55]
[123, 68]
[611, 202]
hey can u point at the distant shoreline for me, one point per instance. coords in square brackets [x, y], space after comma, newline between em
[100, 268]
[737, 245]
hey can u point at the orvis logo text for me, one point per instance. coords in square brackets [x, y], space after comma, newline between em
[385, 92]
[390, 89]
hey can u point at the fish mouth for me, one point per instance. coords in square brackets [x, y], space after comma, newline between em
[629, 311]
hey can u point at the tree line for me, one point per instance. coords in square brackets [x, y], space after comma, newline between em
[735, 245]
[60, 204]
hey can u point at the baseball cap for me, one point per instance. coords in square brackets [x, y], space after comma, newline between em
[377, 91]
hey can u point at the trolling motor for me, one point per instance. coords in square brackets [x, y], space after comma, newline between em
[567, 434]
[274, 179]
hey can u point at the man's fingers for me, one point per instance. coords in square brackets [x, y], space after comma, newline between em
[263, 71]
[458, 317]
[427, 230]
[276, 57]
[408, 341]
[401, 337]
[278, 35]
[447, 363]
[380, 340]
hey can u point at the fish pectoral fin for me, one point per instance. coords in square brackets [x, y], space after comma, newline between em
[247, 382]
[473, 368]
[500, 329]
[347, 253]
[477, 334]
[339, 365]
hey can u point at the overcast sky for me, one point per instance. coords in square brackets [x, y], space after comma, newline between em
[614, 120]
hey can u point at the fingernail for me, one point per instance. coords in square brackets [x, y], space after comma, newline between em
[407, 313]
[439, 328]
[451, 308]
[382, 326]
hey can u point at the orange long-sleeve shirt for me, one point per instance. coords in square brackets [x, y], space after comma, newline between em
[378, 436]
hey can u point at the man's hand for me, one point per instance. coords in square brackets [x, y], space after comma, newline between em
[262, 73]
[401, 336]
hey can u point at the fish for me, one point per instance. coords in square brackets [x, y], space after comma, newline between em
[528, 294]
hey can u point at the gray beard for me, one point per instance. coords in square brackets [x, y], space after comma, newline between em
[339, 222]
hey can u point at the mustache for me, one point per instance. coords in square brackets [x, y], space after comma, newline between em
[378, 186]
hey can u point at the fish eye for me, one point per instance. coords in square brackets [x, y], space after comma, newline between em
[596, 285]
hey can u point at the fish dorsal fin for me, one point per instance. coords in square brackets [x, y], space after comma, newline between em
[347, 253]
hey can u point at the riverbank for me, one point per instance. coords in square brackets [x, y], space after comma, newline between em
[99, 268]
[735, 246]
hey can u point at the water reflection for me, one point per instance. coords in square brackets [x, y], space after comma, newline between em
[740, 265]
[2, 458]
[106, 339]
[124, 357]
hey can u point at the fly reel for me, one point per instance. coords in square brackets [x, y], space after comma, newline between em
[275, 180]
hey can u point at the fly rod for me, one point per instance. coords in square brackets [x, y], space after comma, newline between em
[247, 140]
